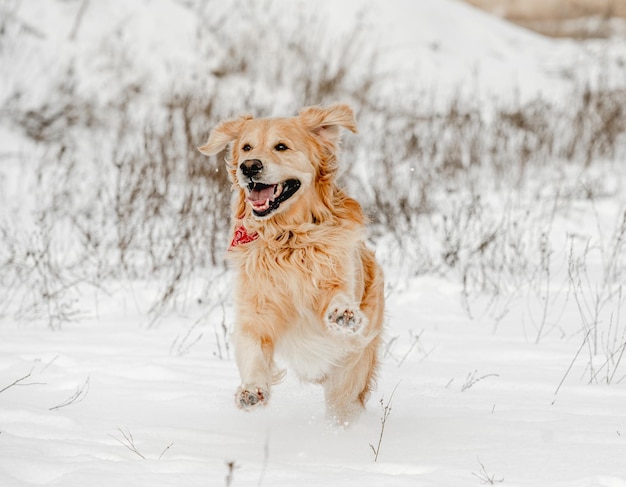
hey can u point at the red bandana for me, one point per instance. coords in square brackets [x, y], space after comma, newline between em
[242, 236]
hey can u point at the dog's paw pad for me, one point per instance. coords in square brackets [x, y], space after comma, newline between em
[250, 398]
[345, 319]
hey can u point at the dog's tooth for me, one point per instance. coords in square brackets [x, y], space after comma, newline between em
[278, 190]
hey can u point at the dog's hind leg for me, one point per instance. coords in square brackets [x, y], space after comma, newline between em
[348, 385]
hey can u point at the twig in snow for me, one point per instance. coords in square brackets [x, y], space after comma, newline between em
[78, 396]
[224, 338]
[232, 466]
[183, 346]
[78, 19]
[414, 340]
[129, 441]
[472, 379]
[484, 477]
[389, 345]
[582, 345]
[49, 364]
[15, 382]
[18, 382]
[383, 420]
[166, 448]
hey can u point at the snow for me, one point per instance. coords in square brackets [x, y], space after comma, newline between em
[446, 48]
[180, 411]
[112, 400]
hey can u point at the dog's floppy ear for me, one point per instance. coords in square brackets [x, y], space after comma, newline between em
[222, 135]
[326, 122]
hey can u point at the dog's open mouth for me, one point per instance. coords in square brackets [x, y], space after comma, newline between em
[266, 198]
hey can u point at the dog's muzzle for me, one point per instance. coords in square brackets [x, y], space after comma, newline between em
[267, 198]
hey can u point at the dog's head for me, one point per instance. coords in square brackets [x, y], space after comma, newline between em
[277, 161]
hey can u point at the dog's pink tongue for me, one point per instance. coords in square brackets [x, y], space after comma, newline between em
[262, 194]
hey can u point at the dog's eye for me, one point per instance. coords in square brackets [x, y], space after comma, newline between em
[280, 147]
[246, 148]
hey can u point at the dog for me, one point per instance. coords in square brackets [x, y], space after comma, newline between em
[308, 289]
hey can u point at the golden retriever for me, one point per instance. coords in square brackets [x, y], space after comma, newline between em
[307, 287]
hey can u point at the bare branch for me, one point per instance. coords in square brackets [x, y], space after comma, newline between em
[78, 396]
[484, 477]
[165, 451]
[386, 409]
[18, 382]
[129, 442]
[582, 345]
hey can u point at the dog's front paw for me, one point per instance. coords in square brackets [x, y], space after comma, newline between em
[345, 319]
[249, 398]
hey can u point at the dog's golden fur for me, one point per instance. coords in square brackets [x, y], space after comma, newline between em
[307, 287]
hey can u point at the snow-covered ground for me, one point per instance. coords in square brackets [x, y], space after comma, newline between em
[478, 389]
[464, 396]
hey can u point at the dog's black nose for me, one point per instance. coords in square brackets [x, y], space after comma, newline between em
[251, 167]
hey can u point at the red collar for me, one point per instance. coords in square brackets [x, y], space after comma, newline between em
[241, 236]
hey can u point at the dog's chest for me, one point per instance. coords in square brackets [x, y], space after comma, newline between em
[287, 288]
[300, 274]
[309, 350]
